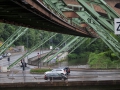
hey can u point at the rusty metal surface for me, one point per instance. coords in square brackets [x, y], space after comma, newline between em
[111, 3]
[70, 14]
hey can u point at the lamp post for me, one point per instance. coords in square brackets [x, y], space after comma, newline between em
[40, 51]
[51, 44]
[27, 46]
[39, 54]
[38, 59]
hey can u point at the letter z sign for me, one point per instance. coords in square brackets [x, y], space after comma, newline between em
[117, 25]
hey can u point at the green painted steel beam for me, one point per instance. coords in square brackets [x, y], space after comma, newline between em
[15, 36]
[33, 49]
[108, 9]
[59, 13]
[50, 53]
[101, 20]
[78, 21]
[74, 20]
[111, 47]
[102, 32]
[72, 41]
[54, 1]
[58, 1]
[53, 7]
[67, 38]
[78, 45]
[59, 5]
[95, 25]
[74, 44]
[93, 40]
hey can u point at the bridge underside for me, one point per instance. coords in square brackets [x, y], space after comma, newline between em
[111, 3]
[32, 14]
[16, 14]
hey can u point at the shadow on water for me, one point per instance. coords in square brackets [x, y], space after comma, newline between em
[115, 87]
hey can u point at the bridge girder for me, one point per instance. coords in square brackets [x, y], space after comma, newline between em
[89, 16]
[69, 12]
[15, 36]
[25, 13]
[73, 13]
[33, 49]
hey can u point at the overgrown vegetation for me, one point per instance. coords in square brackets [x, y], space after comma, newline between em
[97, 55]
[103, 60]
[78, 59]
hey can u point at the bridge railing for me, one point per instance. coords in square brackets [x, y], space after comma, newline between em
[96, 66]
[83, 75]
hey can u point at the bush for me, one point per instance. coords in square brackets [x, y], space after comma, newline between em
[102, 60]
[37, 70]
[72, 56]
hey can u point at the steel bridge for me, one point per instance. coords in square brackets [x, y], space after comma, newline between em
[85, 18]
[59, 16]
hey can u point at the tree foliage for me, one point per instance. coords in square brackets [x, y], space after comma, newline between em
[99, 52]
[96, 53]
[29, 39]
[102, 60]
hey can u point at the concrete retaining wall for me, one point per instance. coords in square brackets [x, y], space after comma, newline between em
[34, 60]
[49, 84]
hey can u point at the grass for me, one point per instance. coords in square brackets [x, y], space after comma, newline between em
[39, 71]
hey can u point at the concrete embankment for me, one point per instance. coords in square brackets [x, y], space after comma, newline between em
[66, 84]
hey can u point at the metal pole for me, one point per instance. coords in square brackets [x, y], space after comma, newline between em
[40, 51]
[23, 65]
[27, 46]
[40, 54]
[38, 59]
